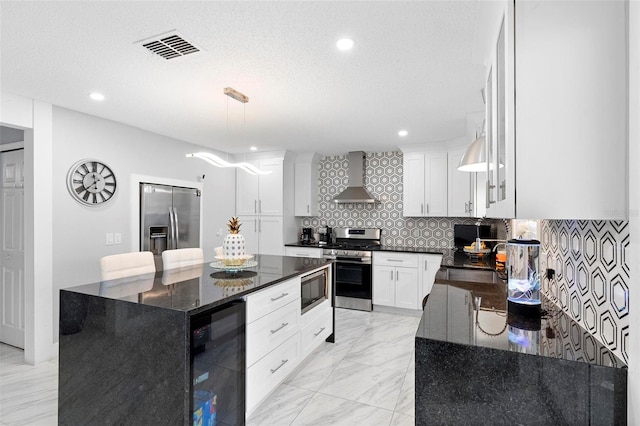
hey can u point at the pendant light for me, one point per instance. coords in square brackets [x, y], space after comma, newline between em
[219, 162]
[475, 157]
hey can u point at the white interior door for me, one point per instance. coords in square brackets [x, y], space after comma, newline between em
[12, 306]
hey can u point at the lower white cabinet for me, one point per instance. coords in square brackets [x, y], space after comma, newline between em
[428, 267]
[395, 280]
[279, 337]
[303, 252]
[266, 374]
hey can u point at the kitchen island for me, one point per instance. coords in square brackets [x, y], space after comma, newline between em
[476, 363]
[171, 347]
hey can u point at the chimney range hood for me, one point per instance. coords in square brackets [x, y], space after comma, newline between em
[355, 192]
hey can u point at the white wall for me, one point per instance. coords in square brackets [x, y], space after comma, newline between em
[79, 231]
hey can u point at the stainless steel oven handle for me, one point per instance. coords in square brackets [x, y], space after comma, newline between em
[354, 262]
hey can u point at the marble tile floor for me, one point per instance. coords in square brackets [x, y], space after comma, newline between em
[365, 378]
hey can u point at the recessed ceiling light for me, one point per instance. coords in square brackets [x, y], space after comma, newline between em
[344, 44]
[253, 148]
[97, 96]
[403, 133]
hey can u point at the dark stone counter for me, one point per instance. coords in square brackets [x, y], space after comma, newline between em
[498, 368]
[126, 348]
[201, 287]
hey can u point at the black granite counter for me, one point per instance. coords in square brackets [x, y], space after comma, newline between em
[201, 287]
[140, 350]
[504, 369]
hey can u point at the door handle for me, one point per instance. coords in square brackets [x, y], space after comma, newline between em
[284, 324]
[427, 208]
[170, 243]
[425, 265]
[255, 206]
[259, 206]
[318, 333]
[284, 361]
[391, 275]
[307, 208]
[397, 275]
[177, 231]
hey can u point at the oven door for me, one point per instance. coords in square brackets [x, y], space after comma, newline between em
[353, 279]
[314, 290]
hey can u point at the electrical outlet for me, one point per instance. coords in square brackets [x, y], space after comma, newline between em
[117, 238]
[109, 238]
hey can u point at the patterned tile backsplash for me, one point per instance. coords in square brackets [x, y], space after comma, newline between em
[591, 282]
[383, 179]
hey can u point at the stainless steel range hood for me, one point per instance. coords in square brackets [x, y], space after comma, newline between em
[355, 192]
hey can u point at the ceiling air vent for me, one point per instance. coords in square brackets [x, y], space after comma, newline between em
[169, 45]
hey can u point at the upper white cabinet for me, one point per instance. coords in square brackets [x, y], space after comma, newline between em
[557, 111]
[261, 194]
[264, 204]
[425, 184]
[306, 185]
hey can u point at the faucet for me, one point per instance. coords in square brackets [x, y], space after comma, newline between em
[480, 240]
[502, 243]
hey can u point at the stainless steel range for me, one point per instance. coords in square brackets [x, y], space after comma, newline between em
[352, 252]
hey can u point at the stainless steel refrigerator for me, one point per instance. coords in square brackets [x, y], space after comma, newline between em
[169, 219]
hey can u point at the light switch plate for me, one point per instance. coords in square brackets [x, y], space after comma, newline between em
[117, 238]
[109, 238]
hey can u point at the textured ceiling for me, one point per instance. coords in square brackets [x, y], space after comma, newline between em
[413, 67]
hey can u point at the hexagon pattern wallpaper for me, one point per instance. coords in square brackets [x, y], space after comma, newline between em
[383, 179]
[591, 281]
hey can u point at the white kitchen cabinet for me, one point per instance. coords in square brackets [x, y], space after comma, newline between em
[429, 264]
[306, 185]
[303, 252]
[261, 194]
[395, 280]
[425, 184]
[567, 63]
[461, 186]
[263, 234]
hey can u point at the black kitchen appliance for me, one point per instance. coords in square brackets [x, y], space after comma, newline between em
[325, 235]
[464, 235]
[307, 236]
[353, 279]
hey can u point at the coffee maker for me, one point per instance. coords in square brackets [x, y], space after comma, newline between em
[307, 236]
[325, 235]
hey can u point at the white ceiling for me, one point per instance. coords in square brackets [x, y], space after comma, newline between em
[416, 65]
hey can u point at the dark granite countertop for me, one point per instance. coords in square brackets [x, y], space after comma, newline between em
[450, 256]
[200, 287]
[451, 315]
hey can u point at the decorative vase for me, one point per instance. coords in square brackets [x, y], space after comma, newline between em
[234, 244]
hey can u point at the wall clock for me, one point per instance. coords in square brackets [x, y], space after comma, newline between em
[91, 182]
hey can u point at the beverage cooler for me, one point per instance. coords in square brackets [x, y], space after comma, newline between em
[218, 366]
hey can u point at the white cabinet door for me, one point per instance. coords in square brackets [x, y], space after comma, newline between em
[271, 187]
[406, 288]
[460, 195]
[250, 229]
[384, 285]
[247, 192]
[429, 265]
[436, 184]
[571, 143]
[271, 236]
[306, 189]
[413, 184]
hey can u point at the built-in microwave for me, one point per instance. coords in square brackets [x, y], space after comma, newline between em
[315, 289]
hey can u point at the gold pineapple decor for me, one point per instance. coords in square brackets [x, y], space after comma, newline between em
[234, 244]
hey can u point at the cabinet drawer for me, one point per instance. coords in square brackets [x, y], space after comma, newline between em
[303, 252]
[271, 330]
[316, 331]
[395, 259]
[263, 302]
[266, 374]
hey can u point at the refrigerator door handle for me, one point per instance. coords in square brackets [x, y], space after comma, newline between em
[175, 227]
[172, 240]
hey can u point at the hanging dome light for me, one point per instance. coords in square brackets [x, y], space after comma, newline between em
[475, 157]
